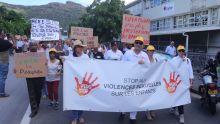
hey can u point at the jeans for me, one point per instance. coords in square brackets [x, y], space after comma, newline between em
[3, 77]
[76, 114]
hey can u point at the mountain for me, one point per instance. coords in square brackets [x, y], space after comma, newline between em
[64, 13]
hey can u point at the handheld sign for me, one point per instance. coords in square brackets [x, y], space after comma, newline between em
[92, 42]
[30, 65]
[81, 33]
[133, 26]
[44, 30]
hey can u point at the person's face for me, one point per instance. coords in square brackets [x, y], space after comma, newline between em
[138, 45]
[95, 49]
[79, 49]
[33, 48]
[52, 55]
[114, 47]
[150, 52]
[181, 53]
[172, 43]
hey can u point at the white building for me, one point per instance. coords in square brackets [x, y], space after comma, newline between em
[200, 19]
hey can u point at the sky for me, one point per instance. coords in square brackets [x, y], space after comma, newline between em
[41, 2]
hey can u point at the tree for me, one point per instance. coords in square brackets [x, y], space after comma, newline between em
[105, 18]
[13, 22]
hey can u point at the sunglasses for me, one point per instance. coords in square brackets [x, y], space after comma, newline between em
[151, 50]
[181, 50]
[138, 42]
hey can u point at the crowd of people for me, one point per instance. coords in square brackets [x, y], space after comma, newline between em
[58, 51]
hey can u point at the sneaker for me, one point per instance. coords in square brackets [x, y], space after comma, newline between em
[56, 106]
[81, 120]
[4, 95]
[74, 122]
[153, 115]
[149, 117]
[33, 114]
[51, 104]
[174, 111]
[44, 97]
[181, 119]
[121, 117]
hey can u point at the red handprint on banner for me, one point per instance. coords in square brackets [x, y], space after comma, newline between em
[173, 83]
[86, 86]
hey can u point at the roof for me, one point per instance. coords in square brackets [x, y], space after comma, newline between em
[132, 4]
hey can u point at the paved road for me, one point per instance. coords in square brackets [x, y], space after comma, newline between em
[13, 108]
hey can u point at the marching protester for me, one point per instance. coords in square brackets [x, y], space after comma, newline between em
[19, 44]
[53, 78]
[124, 47]
[26, 44]
[135, 55]
[78, 47]
[150, 52]
[34, 86]
[67, 47]
[5, 45]
[114, 53]
[94, 53]
[42, 47]
[59, 46]
[171, 49]
[178, 59]
[217, 59]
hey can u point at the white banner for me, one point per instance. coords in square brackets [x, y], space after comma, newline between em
[44, 30]
[117, 86]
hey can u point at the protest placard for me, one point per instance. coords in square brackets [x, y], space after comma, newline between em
[81, 33]
[29, 65]
[133, 26]
[92, 42]
[44, 30]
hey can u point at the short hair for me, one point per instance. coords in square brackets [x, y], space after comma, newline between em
[33, 44]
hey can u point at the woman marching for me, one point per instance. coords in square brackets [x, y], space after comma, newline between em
[53, 78]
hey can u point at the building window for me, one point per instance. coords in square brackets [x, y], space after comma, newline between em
[196, 19]
[155, 3]
[167, 23]
[204, 17]
[201, 18]
[214, 16]
[179, 21]
[185, 20]
[191, 19]
[153, 25]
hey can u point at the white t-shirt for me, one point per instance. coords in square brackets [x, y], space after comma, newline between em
[53, 70]
[83, 56]
[110, 55]
[171, 50]
[19, 44]
[130, 55]
[178, 60]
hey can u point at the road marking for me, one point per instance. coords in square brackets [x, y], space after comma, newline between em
[26, 119]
